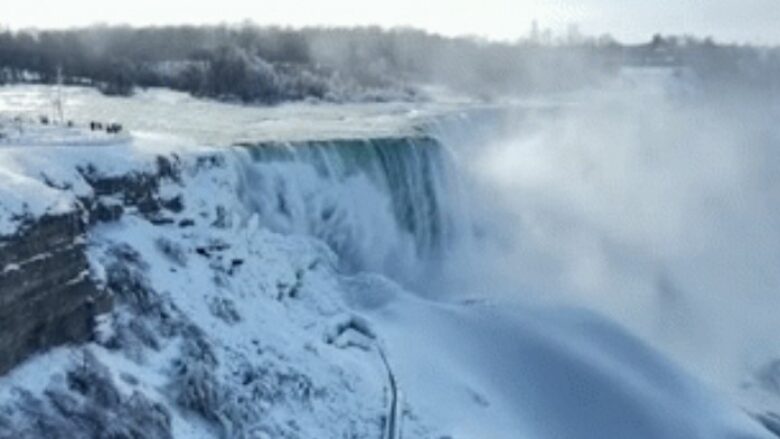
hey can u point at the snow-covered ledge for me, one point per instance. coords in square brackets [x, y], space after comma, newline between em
[49, 195]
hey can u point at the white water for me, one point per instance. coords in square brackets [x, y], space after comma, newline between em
[383, 205]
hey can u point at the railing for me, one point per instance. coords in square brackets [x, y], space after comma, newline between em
[394, 417]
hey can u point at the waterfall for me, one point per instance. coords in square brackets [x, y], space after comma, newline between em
[381, 204]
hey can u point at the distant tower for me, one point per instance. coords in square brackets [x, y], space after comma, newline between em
[536, 36]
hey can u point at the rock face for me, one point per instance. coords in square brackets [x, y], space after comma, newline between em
[47, 297]
[139, 190]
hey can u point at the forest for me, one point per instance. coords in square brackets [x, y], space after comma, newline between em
[267, 65]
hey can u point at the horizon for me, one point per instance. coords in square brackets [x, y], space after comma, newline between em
[547, 35]
[751, 22]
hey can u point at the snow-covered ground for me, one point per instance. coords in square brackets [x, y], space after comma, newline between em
[236, 330]
[220, 124]
[37, 162]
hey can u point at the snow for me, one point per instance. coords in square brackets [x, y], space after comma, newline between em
[24, 196]
[20, 132]
[218, 124]
[275, 307]
[34, 375]
[41, 167]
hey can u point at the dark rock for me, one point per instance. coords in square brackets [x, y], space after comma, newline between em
[769, 377]
[126, 279]
[175, 204]
[172, 250]
[187, 222]
[129, 379]
[135, 189]
[106, 212]
[771, 421]
[160, 220]
[144, 334]
[234, 265]
[88, 406]
[209, 162]
[92, 380]
[224, 309]
[169, 167]
[47, 297]
[223, 219]
[138, 189]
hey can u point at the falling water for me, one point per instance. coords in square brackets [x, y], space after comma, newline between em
[382, 204]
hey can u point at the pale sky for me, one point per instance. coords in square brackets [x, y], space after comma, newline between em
[628, 20]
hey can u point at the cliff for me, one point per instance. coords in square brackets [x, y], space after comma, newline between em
[47, 296]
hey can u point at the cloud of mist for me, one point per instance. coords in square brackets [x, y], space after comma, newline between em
[657, 208]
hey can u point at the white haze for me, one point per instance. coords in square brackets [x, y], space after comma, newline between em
[645, 202]
[628, 20]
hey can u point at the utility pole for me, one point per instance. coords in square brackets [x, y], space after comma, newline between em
[59, 112]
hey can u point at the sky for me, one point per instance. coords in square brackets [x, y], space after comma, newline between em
[753, 21]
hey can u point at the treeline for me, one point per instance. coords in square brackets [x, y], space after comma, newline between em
[216, 62]
[717, 66]
[270, 64]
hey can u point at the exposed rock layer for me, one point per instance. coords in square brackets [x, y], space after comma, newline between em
[47, 295]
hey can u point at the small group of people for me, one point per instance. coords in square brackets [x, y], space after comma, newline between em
[111, 128]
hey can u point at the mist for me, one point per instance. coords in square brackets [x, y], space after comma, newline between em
[650, 201]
